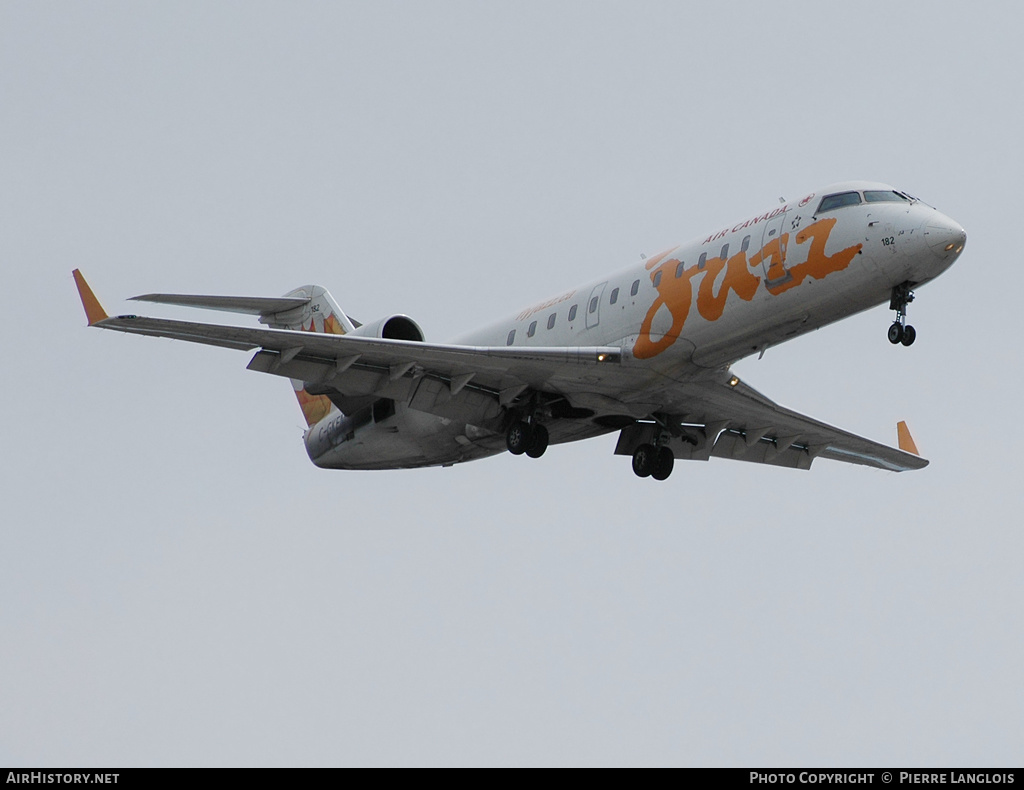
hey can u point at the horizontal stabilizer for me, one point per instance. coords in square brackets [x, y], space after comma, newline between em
[252, 305]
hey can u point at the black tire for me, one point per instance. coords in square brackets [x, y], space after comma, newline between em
[644, 458]
[539, 443]
[519, 437]
[895, 334]
[909, 336]
[663, 465]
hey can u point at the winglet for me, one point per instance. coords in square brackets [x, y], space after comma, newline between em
[906, 440]
[94, 312]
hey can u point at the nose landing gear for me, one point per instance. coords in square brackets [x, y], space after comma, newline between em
[900, 331]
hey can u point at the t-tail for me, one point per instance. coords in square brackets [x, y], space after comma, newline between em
[310, 308]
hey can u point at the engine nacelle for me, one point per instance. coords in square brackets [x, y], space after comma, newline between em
[392, 327]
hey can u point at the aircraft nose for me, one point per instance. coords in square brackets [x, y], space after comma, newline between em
[945, 237]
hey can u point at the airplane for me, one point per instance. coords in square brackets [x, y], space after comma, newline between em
[645, 351]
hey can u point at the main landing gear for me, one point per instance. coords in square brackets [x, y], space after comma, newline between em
[900, 331]
[655, 461]
[650, 460]
[526, 437]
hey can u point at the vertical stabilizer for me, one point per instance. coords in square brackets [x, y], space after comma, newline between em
[319, 313]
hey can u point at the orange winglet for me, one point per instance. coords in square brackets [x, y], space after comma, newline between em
[94, 312]
[906, 440]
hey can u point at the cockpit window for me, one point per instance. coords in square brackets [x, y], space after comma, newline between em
[838, 200]
[883, 196]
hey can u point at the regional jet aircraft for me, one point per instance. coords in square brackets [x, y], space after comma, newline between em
[645, 351]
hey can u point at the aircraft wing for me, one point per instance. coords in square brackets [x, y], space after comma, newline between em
[727, 418]
[472, 382]
[339, 353]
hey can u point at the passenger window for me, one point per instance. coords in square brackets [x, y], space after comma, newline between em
[680, 269]
[635, 288]
[657, 279]
[593, 304]
[746, 244]
[551, 321]
[702, 260]
[615, 296]
[883, 196]
[532, 329]
[572, 313]
[511, 338]
[839, 200]
[724, 254]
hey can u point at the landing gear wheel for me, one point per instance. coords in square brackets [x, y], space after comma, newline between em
[539, 443]
[644, 458]
[519, 437]
[664, 463]
[899, 332]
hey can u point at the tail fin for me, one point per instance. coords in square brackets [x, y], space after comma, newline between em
[320, 313]
[308, 309]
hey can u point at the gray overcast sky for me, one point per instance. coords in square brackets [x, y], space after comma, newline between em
[180, 586]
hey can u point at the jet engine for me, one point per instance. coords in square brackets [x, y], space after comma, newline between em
[392, 327]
